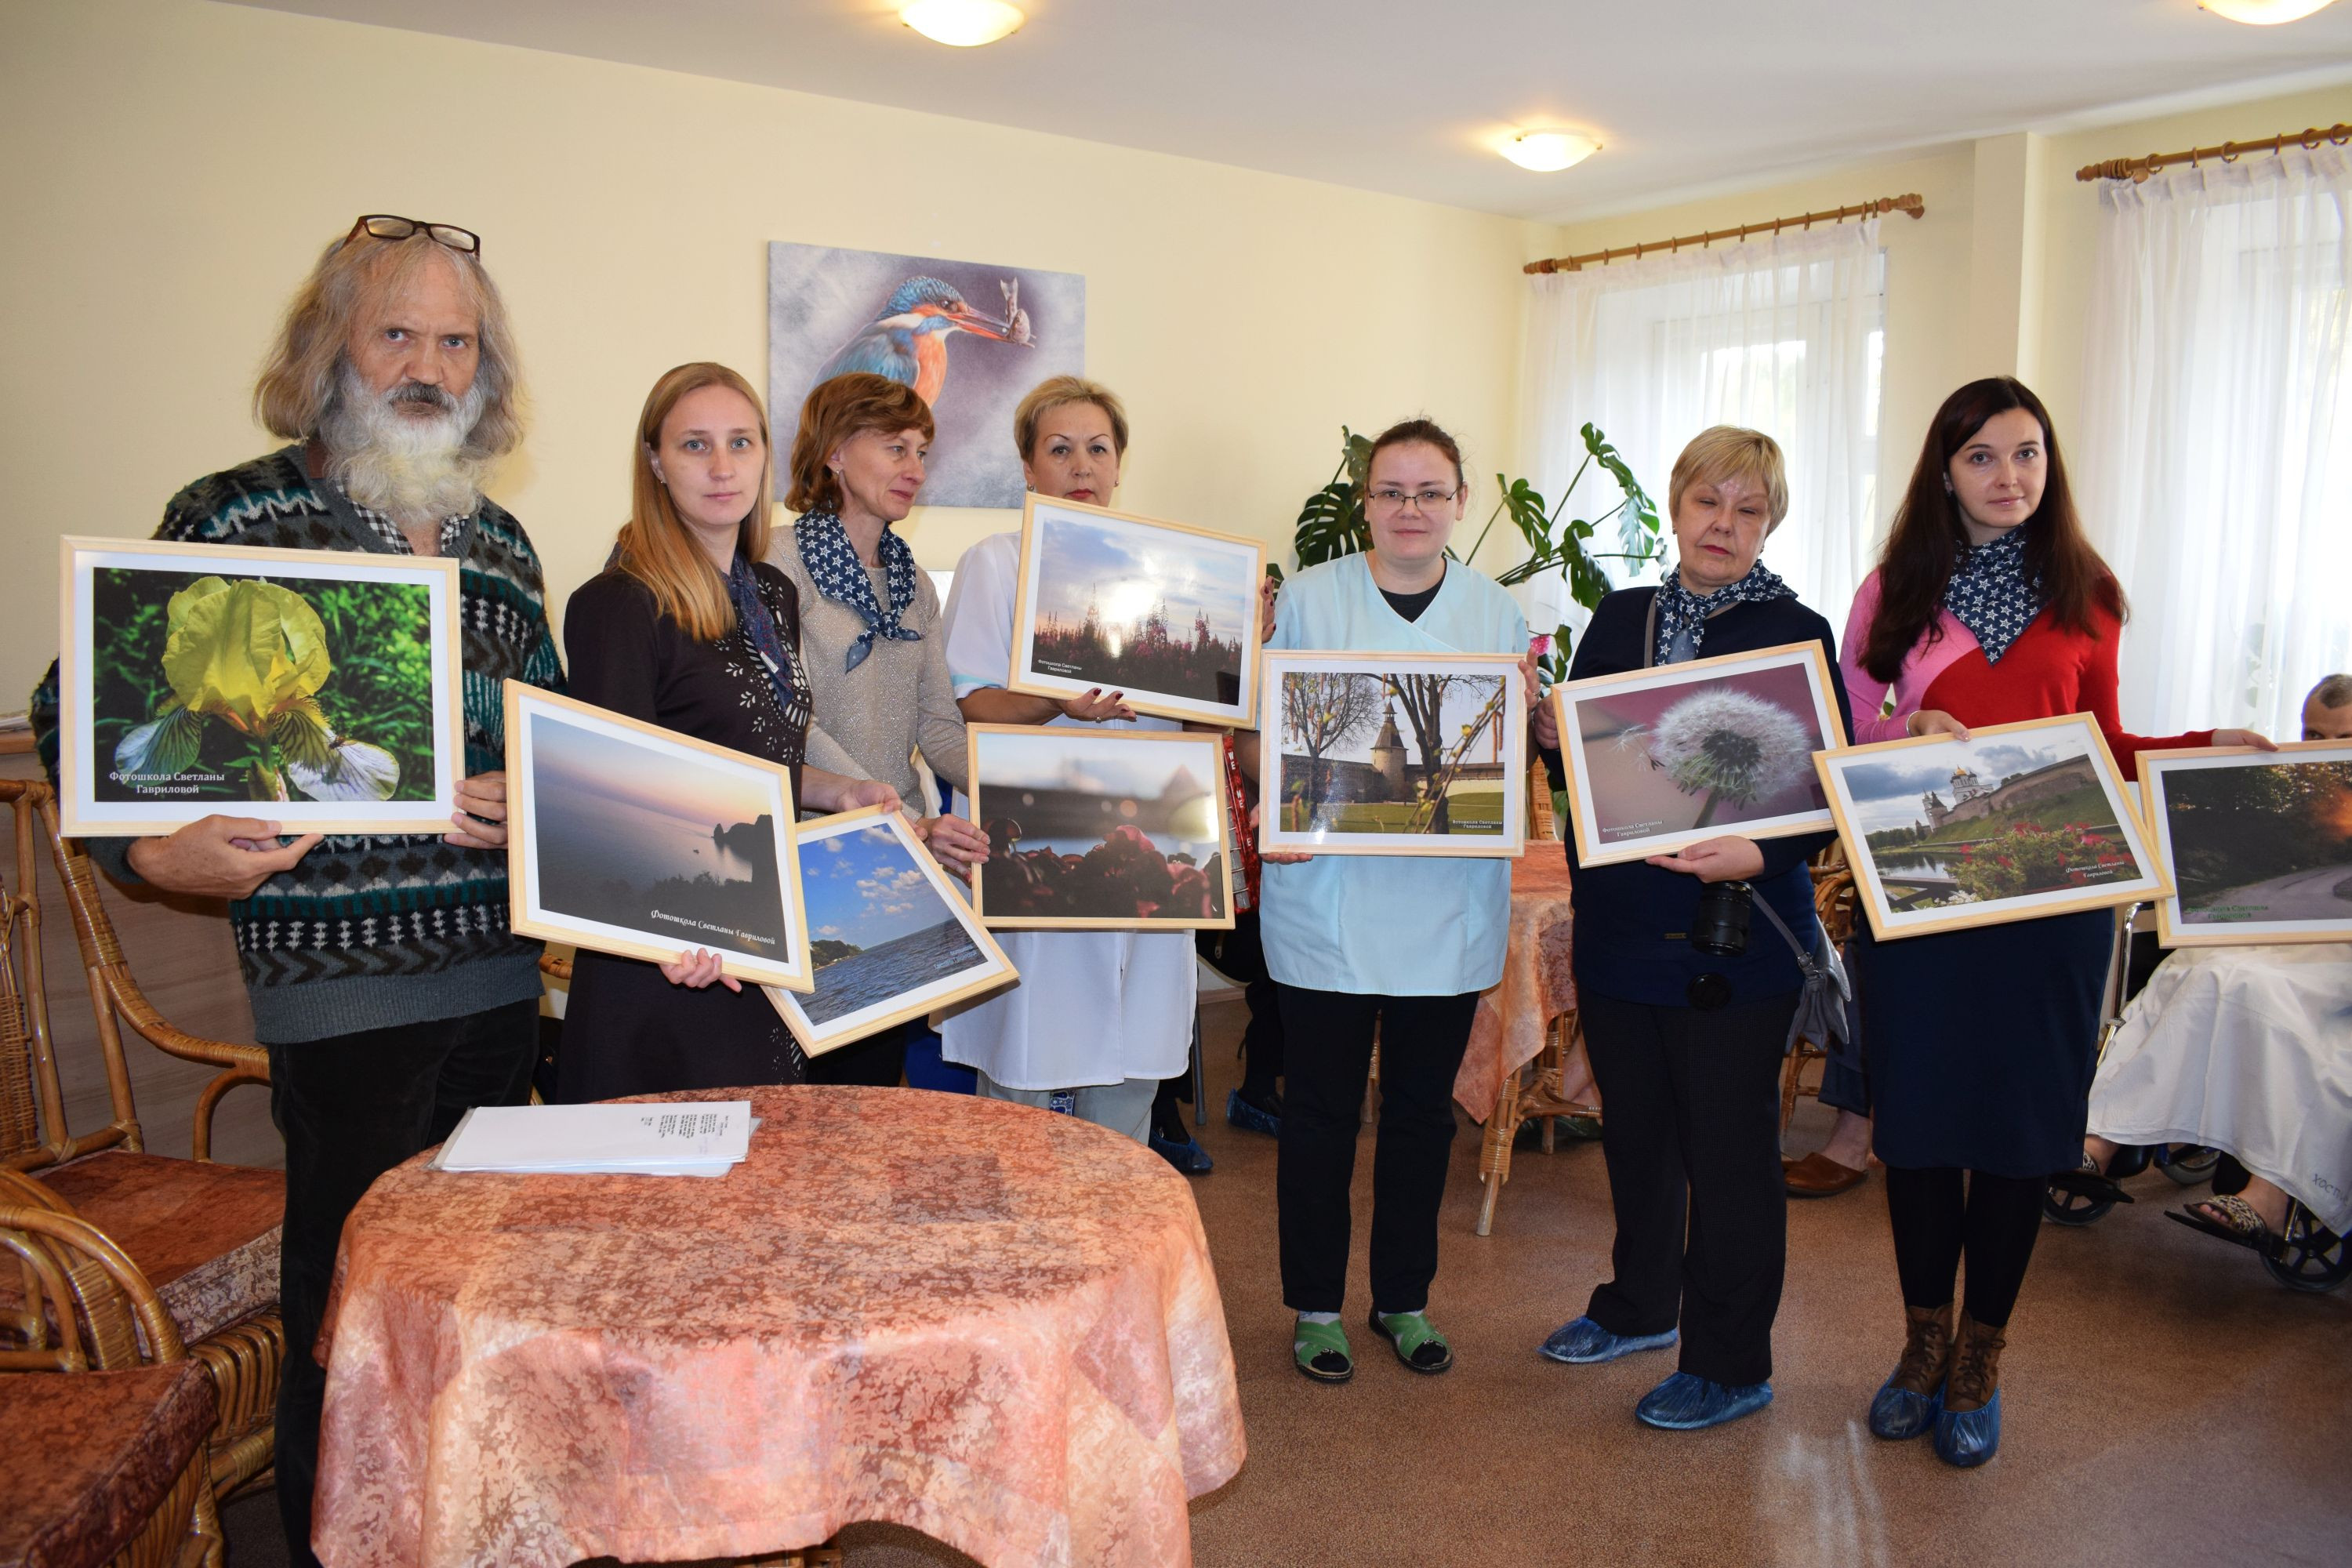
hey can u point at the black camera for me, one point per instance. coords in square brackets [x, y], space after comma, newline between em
[1720, 926]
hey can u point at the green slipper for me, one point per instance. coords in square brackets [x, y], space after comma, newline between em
[1420, 1346]
[1321, 1351]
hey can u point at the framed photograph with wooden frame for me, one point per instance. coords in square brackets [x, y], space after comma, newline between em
[1659, 759]
[1164, 611]
[2017, 822]
[318, 688]
[628, 839]
[2258, 844]
[1393, 753]
[1092, 828]
[891, 936]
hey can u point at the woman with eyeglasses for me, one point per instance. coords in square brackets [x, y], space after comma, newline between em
[1400, 946]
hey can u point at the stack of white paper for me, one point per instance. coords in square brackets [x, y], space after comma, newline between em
[663, 1138]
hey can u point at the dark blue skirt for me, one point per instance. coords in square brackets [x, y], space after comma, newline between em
[1981, 1043]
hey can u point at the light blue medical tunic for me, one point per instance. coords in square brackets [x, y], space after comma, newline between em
[1390, 925]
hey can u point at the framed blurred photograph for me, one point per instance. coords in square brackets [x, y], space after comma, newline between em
[1658, 759]
[314, 688]
[627, 839]
[2258, 844]
[1090, 828]
[1411, 753]
[1166, 612]
[2016, 822]
[891, 936]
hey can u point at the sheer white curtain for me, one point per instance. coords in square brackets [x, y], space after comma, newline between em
[1782, 334]
[2217, 447]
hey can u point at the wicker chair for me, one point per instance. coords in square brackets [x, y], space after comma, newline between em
[204, 1236]
[123, 1479]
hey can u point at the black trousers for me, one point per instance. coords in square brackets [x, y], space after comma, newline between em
[1327, 1049]
[1240, 955]
[1691, 1133]
[1941, 1215]
[351, 1108]
[879, 1061]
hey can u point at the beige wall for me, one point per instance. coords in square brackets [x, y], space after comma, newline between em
[174, 167]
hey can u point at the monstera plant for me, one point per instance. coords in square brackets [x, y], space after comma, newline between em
[252, 655]
[1331, 524]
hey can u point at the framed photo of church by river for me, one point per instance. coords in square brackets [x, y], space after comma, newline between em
[627, 839]
[889, 935]
[1163, 612]
[1410, 753]
[2016, 822]
[2258, 844]
[1098, 829]
[1659, 759]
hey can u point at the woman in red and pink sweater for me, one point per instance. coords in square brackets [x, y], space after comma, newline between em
[1988, 606]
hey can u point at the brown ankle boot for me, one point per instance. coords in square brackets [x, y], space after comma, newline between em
[1927, 1346]
[1974, 1374]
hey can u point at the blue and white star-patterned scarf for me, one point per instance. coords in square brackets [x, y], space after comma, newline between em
[1682, 612]
[1991, 595]
[834, 566]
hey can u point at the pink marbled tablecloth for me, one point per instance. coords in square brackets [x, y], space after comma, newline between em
[1536, 985]
[991, 1323]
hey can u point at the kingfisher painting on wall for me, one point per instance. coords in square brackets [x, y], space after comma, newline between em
[969, 337]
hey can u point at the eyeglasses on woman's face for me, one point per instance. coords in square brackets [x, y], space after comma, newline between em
[385, 225]
[1390, 498]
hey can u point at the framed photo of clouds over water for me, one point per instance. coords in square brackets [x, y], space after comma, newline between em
[2258, 844]
[1659, 759]
[890, 937]
[628, 839]
[1165, 613]
[1100, 829]
[2016, 822]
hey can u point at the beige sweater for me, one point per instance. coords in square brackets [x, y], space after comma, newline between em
[870, 720]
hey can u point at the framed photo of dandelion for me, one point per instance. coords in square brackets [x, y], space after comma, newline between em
[1100, 829]
[1658, 759]
[2016, 822]
[1167, 614]
[1411, 753]
[891, 936]
[625, 837]
[317, 689]
[2259, 844]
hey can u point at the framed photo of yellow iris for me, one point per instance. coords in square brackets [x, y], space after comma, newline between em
[315, 689]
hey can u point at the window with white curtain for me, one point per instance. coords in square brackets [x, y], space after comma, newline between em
[1783, 335]
[2216, 456]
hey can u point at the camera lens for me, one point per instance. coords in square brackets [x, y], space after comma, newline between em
[1720, 925]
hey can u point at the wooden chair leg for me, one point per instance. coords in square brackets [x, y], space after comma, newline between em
[1494, 1152]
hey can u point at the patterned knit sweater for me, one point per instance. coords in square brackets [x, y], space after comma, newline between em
[373, 932]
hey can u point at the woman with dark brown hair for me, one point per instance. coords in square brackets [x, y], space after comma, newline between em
[1988, 606]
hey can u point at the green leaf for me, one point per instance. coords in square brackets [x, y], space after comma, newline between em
[1640, 516]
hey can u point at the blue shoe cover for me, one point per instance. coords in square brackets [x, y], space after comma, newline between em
[1188, 1156]
[1896, 1414]
[1585, 1340]
[1250, 1118]
[1685, 1404]
[1970, 1440]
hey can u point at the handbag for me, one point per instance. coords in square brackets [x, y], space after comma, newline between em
[1825, 1007]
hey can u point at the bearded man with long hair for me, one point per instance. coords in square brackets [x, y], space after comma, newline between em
[385, 983]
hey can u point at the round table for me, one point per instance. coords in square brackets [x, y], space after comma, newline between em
[993, 1324]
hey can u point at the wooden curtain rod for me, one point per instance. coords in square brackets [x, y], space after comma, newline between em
[1903, 203]
[2138, 169]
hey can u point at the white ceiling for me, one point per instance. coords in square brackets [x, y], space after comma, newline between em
[1407, 96]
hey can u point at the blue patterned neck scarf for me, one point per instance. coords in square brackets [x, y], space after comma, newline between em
[1991, 595]
[753, 615]
[834, 566]
[1682, 612]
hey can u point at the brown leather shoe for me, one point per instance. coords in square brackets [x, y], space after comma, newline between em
[1819, 1176]
[1927, 1349]
[1974, 1373]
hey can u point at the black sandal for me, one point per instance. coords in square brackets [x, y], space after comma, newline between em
[2087, 1180]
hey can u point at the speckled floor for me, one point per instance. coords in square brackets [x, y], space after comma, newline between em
[2167, 1403]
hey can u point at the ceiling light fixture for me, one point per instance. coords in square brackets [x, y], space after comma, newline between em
[2263, 12]
[1546, 152]
[965, 24]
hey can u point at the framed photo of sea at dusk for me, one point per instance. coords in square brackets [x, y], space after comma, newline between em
[1659, 759]
[1167, 614]
[2259, 844]
[889, 936]
[2016, 822]
[632, 839]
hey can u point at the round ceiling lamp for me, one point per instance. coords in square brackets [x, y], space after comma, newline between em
[1547, 152]
[2263, 12]
[964, 24]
